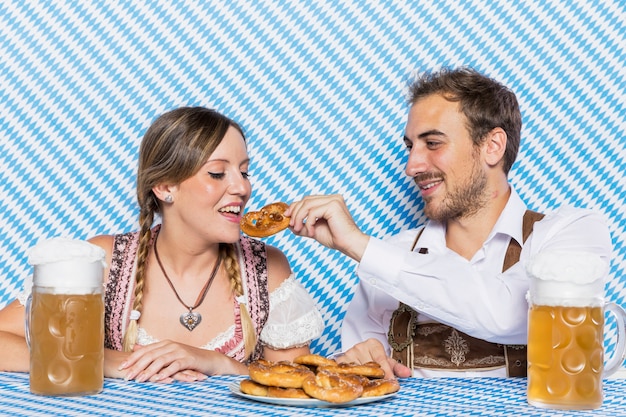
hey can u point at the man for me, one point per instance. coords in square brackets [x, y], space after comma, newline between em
[448, 299]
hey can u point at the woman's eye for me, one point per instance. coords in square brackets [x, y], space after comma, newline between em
[245, 175]
[216, 175]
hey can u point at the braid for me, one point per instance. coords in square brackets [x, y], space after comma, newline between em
[146, 217]
[232, 268]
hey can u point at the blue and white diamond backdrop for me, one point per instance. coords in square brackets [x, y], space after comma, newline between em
[319, 88]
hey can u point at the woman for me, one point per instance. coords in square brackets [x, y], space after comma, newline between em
[191, 296]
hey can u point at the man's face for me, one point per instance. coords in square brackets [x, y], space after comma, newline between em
[443, 161]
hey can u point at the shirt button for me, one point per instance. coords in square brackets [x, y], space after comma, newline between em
[373, 281]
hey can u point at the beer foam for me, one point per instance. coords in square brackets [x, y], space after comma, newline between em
[60, 249]
[67, 263]
[561, 278]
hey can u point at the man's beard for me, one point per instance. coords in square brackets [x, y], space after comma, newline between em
[463, 201]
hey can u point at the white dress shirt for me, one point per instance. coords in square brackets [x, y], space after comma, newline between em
[472, 296]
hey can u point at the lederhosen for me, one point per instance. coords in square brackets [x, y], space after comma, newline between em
[439, 346]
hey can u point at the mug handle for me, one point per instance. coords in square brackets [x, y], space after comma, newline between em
[27, 318]
[620, 350]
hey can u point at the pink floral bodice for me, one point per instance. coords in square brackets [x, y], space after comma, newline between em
[119, 293]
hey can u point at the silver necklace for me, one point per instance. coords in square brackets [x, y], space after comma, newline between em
[189, 319]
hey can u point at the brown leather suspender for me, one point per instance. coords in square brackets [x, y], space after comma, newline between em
[438, 346]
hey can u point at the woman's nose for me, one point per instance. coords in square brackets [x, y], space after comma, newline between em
[239, 184]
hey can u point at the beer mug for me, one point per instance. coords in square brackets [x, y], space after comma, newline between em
[566, 331]
[65, 318]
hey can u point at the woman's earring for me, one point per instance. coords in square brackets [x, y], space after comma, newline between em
[169, 198]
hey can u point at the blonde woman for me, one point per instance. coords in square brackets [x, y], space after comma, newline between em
[191, 296]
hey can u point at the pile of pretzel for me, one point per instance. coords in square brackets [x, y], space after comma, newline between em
[314, 376]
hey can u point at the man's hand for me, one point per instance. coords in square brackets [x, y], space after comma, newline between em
[373, 350]
[326, 218]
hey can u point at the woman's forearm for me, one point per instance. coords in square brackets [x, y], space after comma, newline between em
[15, 354]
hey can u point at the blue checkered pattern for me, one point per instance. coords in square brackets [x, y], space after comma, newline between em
[319, 89]
[417, 396]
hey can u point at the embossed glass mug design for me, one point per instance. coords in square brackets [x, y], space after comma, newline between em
[566, 331]
[65, 318]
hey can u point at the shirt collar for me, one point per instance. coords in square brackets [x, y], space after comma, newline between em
[509, 223]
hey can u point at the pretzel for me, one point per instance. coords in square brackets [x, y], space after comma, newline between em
[373, 387]
[286, 379]
[278, 392]
[314, 360]
[357, 379]
[331, 387]
[278, 374]
[247, 386]
[378, 387]
[369, 369]
[265, 222]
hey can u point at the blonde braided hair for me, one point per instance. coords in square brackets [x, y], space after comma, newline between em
[146, 218]
[173, 149]
[232, 268]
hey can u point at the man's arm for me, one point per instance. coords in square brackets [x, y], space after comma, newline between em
[450, 290]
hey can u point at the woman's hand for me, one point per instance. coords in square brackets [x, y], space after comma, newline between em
[373, 350]
[326, 218]
[115, 362]
[167, 361]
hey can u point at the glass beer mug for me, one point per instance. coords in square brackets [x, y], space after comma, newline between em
[566, 331]
[65, 318]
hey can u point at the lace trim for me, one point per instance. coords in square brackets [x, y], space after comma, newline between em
[143, 338]
[283, 292]
[295, 334]
[22, 297]
[27, 288]
[221, 339]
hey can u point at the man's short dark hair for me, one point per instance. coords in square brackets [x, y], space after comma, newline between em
[486, 104]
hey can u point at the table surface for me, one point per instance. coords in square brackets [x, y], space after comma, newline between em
[417, 396]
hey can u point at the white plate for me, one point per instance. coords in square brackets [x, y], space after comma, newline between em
[297, 402]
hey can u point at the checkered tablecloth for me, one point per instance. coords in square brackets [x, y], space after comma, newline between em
[319, 88]
[423, 397]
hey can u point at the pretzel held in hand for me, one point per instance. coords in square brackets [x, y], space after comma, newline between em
[269, 220]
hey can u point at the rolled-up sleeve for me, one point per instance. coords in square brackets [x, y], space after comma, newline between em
[448, 288]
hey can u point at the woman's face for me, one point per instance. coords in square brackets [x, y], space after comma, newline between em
[212, 201]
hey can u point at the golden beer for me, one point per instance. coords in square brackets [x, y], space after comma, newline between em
[66, 342]
[565, 356]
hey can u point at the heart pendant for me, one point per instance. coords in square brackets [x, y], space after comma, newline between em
[190, 320]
